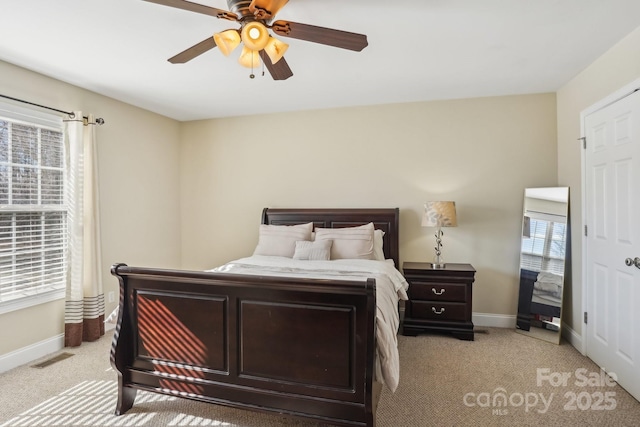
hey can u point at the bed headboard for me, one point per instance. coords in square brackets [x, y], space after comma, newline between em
[385, 219]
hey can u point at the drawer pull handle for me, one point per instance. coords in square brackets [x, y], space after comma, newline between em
[436, 292]
[437, 312]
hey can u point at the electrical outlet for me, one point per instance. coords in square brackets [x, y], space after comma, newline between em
[111, 296]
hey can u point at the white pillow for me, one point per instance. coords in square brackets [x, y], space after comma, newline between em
[280, 240]
[349, 242]
[378, 251]
[313, 251]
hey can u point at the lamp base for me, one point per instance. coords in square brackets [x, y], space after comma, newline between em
[438, 260]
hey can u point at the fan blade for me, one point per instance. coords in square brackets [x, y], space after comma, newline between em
[266, 9]
[280, 70]
[193, 51]
[328, 36]
[199, 8]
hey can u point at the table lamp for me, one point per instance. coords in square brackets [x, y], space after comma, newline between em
[439, 214]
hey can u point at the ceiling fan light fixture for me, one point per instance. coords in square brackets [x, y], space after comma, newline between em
[255, 20]
[255, 35]
[275, 49]
[249, 58]
[227, 41]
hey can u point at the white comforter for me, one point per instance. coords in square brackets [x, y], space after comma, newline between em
[390, 288]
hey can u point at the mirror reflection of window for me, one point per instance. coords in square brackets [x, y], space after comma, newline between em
[544, 248]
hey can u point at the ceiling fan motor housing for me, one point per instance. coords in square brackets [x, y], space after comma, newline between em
[241, 8]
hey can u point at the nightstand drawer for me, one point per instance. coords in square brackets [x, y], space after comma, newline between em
[434, 310]
[419, 290]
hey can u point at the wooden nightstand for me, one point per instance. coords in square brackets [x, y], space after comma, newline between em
[439, 299]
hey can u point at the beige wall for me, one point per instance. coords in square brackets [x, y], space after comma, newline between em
[139, 184]
[481, 153]
[615, 69]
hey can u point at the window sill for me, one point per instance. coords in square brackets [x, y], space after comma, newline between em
[30, 301]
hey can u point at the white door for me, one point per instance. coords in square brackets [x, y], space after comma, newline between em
[612, 200]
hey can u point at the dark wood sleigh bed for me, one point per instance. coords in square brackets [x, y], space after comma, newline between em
[301, 347]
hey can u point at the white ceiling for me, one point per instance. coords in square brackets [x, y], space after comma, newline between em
[418, 50]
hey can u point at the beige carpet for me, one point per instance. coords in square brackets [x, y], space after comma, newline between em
[444, 382]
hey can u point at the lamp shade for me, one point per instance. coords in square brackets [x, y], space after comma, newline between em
[249, 58]
[275, 49]
[255, 36]
[439, 214]
[227, 41]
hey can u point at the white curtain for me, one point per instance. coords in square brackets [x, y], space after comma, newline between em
[84, 305]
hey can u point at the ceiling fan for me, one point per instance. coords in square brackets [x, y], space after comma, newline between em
[255, 18]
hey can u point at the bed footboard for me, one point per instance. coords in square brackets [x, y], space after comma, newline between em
[302, 347]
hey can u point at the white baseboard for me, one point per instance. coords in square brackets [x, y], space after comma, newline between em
[572, 337]
[30, 353]
[488, 320]
[35, 351]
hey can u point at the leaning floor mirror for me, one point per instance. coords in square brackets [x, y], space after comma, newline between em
[543, 253]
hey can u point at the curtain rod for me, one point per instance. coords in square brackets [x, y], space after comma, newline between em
[99, 120]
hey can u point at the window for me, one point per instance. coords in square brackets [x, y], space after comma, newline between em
[544, 250]
[33, 208]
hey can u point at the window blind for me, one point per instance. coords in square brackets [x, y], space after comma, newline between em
[33, 207]
[544, 249]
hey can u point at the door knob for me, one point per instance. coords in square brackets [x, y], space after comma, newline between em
[629, 262]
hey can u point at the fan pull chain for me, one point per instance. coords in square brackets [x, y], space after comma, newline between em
[252, 76]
